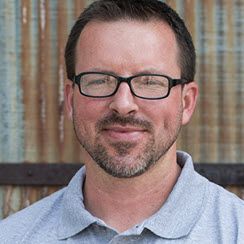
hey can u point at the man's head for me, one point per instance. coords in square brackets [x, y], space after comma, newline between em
[139, 10]
[123, 133]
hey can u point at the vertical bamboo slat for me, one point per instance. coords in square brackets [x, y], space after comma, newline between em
[30, 83]
[239, 57]
[11, 128]
[1, 201]
[227, 82]
[78, 8]
[65, 129]
[69, 146]
[209, 86]
[47, 87]
[11, 202]
[190, 135]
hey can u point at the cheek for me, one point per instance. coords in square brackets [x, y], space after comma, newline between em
[87, 111]
[163, 119]
[165, 115]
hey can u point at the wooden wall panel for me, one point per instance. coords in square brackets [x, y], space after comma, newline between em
[227, 81]
[190, 135]
[208, 83]
[239, 70]
[33, 125]
[11, 109]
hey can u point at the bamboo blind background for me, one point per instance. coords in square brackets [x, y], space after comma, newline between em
[33, 127]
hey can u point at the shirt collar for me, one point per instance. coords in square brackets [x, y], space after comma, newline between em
[74, 217]
[184, 205]
[175, 219]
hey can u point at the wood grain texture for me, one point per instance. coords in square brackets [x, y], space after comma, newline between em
[40, 174]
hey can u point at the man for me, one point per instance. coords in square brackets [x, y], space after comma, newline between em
[130, 88]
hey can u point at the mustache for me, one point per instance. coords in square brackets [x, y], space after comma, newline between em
[115, 118]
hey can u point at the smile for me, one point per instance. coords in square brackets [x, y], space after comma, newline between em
[120, 133]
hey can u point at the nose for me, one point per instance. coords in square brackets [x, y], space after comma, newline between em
[123, 101]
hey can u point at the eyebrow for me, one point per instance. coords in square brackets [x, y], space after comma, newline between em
[150, 71]
[102, 71]
[144, 71]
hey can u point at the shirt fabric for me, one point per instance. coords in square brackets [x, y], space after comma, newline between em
[196, 211]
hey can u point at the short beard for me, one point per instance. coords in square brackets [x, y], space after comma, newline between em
[123, 165]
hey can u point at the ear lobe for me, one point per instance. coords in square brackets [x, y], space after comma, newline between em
[189, 99]
[68, 94]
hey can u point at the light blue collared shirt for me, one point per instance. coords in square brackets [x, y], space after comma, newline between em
[196, 211]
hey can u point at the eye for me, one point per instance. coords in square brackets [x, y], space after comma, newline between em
[96, 82]
[151, 81]
[154, 81]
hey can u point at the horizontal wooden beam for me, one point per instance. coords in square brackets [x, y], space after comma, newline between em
[57, 174]
[222, 174]
[37, 174]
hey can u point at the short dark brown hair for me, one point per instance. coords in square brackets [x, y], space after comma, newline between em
[141, 10]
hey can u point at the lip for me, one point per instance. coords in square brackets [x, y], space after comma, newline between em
[120, 133]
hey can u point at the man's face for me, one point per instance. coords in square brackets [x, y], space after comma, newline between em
[123, 134]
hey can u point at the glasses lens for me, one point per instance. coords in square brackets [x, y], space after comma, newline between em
[97, 84]
[150, 86]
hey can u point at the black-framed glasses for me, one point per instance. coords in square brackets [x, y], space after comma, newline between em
[146, 86]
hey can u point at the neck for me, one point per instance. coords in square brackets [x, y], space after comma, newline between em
[124, 203]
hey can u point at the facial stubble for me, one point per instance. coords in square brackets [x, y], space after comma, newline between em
[123, 163]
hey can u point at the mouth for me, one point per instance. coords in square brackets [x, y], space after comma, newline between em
[123, 133]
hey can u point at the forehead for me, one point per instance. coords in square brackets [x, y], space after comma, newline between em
[126, 43]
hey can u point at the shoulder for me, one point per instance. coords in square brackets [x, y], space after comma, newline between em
[222, 202]
[225, 202]
[14, 228]
[220, 216]
[223, 214]
[219, 193]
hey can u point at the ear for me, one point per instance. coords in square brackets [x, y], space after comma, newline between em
[189, 99]
[68, 94]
